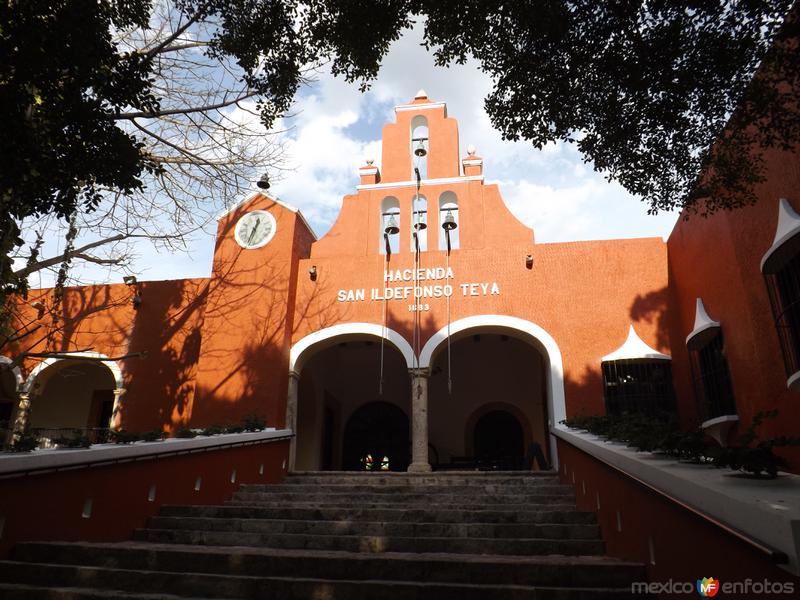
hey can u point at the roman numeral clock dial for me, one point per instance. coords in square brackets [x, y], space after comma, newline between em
[255, 229]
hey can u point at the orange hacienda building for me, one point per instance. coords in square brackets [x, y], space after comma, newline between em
[359, 343]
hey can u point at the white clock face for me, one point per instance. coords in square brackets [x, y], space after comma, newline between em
[255, 229]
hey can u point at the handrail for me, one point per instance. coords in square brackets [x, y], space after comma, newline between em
[160, 450]
[777, 556]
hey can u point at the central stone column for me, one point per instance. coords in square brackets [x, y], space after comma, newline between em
[291, 414]
[419, 421]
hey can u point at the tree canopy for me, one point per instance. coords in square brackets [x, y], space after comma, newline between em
[660, 95]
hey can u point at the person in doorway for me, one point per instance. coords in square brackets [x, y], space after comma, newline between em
[535, 452]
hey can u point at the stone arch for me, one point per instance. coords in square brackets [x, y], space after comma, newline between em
[15, 370]
[329, 336]
[472, 420]
[524, 330]
[92, 356]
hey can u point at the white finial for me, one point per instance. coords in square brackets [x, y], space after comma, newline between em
[370, 161]
[471, 150]
[421, 94]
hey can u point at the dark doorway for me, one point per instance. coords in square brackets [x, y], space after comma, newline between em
[499, 440]
[379, 429]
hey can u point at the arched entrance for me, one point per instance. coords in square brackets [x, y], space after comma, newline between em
[380, 430]
[498, 440]
[494, 359]
[336, 404]
[76, 393]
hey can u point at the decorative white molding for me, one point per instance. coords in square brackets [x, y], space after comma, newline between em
[472, 162]
[704, 329]
[401, 184]
[368, 170]
[718, 427]
[531, 333]
[42, 366]
[337, 333]
[635, 349]
[16, 370]
[788, 227]
[421, 94]
[793, 383]
[425, 106]
[274, 199]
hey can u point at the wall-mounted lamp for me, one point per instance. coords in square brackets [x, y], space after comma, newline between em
[129, 280]
[263, 183]
[529, 261]
[312, 273]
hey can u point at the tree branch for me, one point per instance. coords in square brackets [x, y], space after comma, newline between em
[182, 111]
[51, 262]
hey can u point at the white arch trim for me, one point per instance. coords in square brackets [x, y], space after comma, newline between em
[15, 369]
[112, 366]
[330, 335]
[556, 404]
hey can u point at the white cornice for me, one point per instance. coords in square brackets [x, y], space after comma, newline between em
[426, 106]
[635, 349]
[413, 183]
[472, 162]
[788, 227]
[274, 199]
[704, 328]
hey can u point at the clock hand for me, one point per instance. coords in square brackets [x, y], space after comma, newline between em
[253, 231]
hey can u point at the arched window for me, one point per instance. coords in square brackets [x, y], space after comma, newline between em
[419, 142]
[448, 208]
[781, 269]
[390, 218]
[419, 222]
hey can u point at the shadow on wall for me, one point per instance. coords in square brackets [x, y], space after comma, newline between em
[652, 307]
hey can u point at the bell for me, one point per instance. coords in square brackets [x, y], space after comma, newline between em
[419, 226]
[449, 221]
[391, 226]
[420, 151]
[263, 183]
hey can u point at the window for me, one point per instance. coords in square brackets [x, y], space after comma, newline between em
[638, 386]
[781, 268]
[783, 285]
[390, 220]
[448, 209]
[712, 379]
[419, 222]
[419, 142]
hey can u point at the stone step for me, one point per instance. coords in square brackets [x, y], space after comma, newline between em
[370, 504]
[509, 478]
[37, 577]
[381, 528]
[374, 544]
[579, 572]
[418, 515]
[409, 488]
[408, 496]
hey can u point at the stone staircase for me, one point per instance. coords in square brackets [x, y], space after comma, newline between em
[393, 536]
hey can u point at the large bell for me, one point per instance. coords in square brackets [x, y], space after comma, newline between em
[449, 221]
[263, 183]
[391, 226]
[420, 150]
[419, 226]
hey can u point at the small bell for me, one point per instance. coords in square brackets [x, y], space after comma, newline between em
[419, 226]
[420, 151]
[263, 183]
[449, 221]
[391, 226]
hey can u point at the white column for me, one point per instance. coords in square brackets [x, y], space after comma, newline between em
[118, 393]
[419, 421]
[291, 414]
[23, 413]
